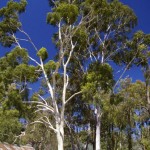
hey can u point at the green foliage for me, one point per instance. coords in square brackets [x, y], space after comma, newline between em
[42, 53]
[81, 38]
[17, 56]
[25, 72]
[137, 48]
[35, 134]
[98, 82]
[15, 74]
[9, 125]
[145, 142]
[50, 66]
[95, 28]
[99, 77]
[9, 21]
[116, 99]
[53, 18]
[13, 100]
[65, 12]
[108, 12]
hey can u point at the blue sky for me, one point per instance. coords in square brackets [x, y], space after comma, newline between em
[34, 23]
[142, 11]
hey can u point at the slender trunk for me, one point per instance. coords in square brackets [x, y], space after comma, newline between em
[78, 145]
[60, 141]
[143, 147]
[129, 133]
[60, 135]
[129, 140]
[147, 80]
[98, 127]
[108, 138]
[98, 119]
[71, 136]
[94, 136]
[148, 95]
[72, 141]
[87, 142]
[120, 141]
[112, 138]
[88, 137]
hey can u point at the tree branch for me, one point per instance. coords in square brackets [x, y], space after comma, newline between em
[72, 96]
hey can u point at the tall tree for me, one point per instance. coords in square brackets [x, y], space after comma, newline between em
[89, 34]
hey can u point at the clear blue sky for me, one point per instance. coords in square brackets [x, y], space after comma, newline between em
[142, 10]
[34, 23]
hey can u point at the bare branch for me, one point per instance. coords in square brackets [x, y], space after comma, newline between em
[126, 68]
[72, 96]
[46, 107]
[29, 39]
[34, 61]
[16, 41]
[20, 39]
[19, 136]
[70, 54]
[45, 122]
[42, 99]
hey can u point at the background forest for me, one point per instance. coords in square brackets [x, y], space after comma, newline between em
[75, 95]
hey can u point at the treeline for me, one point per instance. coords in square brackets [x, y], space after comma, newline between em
[75, 101]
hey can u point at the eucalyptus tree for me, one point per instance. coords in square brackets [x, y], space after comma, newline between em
[13, 91]
[142, 59]
[139, 50]
[129, 115]
[95, 30]
[56, 107]
[108, 37]
[88, 32]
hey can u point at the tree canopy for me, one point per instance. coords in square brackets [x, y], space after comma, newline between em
[75, 100]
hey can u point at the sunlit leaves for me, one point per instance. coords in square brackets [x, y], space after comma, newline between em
[50, 66]
[65, 12]
[98, 80]
[42, 53]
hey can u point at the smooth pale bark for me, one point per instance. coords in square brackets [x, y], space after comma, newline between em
[60, 141]
[98, 128]
[60, 136]
[98, 119]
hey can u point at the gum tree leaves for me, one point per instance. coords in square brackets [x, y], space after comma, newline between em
[9, 21]
[99, 78]
[9, 125]
[25, 72]
[50, 66]
[66, 12]
[17, 55]
[42, 53]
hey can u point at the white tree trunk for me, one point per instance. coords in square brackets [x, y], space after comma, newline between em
[60, 136]
[98, 128]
